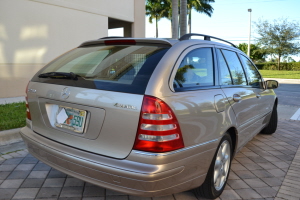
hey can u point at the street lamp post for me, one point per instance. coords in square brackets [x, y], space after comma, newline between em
[249, 10]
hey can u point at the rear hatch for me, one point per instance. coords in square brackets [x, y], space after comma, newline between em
[90, 98]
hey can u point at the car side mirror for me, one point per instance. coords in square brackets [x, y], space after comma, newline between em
[271, 84]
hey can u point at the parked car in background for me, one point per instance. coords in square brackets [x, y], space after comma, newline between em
[148, 117]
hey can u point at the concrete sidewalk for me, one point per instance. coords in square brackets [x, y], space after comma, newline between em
[12, 100]
[285, 81]
[8, 137]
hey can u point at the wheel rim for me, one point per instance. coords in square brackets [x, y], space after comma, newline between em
[222, 163]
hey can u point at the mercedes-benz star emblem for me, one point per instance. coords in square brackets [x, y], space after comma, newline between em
[65, 93]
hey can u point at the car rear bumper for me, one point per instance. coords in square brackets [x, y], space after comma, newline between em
[139, 174]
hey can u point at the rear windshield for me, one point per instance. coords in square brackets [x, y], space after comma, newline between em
[115, 68]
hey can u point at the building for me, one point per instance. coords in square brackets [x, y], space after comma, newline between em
[33, 32]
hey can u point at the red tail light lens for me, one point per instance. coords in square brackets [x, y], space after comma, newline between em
[27, 106]
[158, 129]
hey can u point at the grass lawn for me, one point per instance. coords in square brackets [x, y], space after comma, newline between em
[12, 116]
[280, 74]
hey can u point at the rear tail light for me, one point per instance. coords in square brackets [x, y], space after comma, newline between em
[158, 129]
[27, 106]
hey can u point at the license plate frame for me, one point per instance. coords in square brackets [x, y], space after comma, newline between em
[75, 121]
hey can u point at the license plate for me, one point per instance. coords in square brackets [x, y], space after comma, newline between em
[73, 119]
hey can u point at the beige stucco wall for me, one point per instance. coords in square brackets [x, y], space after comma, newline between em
[119, 9]
[33, 32]
[139, 26]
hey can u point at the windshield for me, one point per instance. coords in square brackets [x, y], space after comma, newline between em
[107, 67]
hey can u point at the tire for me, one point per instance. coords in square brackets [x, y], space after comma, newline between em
[214, 185]
[272, 126]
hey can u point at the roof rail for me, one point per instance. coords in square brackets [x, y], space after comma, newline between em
[206, 37]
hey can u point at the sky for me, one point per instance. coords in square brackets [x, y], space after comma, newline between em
[230, 19]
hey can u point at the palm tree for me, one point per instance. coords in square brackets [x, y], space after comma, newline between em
[201, 6]
[174, 19]
[183, 14]
[157, 9]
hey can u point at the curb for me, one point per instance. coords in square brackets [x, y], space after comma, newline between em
[12, 100]
[10, 136]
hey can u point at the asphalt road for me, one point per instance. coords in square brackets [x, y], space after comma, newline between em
[288, 100]
[289, 94]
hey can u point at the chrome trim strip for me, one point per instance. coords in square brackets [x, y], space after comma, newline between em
[173, 152]
[253, 119]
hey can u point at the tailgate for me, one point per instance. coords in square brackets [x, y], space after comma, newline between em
[104, 122]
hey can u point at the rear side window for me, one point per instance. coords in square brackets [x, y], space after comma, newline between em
[115, 68]
[235, 66]
[253, 75]
[196, 69]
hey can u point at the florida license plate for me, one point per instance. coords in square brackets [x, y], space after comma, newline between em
[71, 118]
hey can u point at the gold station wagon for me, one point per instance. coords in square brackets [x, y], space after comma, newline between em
[148, 117]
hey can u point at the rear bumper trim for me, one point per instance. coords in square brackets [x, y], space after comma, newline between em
[127, 176]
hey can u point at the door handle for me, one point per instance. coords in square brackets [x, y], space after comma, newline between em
[237, 98]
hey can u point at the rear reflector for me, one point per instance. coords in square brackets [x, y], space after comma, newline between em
[119, 42]
[158, 129]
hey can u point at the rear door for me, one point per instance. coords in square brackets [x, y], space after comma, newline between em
[241, 97]
[264, 105]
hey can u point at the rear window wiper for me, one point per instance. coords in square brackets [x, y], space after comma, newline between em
[59, 75]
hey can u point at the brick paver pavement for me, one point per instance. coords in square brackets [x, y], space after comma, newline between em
[268, 167]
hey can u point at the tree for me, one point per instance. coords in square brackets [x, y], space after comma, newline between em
[174, 20]
[157, 9]
[183, 17]
[278, 38]
[201, 6]
[170, 9]
[288, 59]
[256, 53]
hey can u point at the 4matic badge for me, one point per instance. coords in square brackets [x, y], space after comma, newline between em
[125, 106]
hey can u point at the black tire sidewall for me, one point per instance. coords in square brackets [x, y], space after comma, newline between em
[272, 125]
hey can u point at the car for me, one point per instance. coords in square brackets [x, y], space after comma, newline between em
[148, 117]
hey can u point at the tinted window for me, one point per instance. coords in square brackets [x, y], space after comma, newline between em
[224, 71]
[236, 69]
[253, 75]
[115, 68]
[196, 69]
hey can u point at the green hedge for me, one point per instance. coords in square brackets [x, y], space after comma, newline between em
[292, 66]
